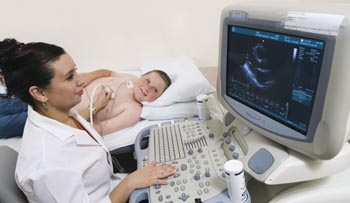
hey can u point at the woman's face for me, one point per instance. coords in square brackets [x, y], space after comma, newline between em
[66, 87]
[149, 87]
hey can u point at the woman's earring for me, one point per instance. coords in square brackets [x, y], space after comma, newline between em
[45, 105]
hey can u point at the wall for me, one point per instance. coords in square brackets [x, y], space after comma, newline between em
[120, 34]
[115, 33]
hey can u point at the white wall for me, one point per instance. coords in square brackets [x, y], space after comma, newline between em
[121, 33]
[116, 33]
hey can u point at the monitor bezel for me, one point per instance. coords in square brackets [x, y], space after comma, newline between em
[258, 119]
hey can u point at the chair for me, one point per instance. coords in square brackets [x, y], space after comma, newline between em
[9, 191]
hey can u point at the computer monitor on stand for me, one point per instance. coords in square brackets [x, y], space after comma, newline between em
[292, 89]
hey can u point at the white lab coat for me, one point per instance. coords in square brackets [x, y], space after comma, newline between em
[58, 163]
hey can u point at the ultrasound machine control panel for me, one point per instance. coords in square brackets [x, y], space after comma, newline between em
[199, 149]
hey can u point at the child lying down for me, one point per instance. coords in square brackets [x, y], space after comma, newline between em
[125, 92]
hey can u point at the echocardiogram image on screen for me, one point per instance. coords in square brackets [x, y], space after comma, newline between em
[275, 74]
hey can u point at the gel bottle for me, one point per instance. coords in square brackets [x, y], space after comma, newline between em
[202, 108]
[236, 182]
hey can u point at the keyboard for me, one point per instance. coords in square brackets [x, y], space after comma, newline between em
[196, 147]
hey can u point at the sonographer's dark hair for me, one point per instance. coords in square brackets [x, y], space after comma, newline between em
[25, 65]
[163, 75]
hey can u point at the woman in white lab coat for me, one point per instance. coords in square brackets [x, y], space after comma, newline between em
[61, 158]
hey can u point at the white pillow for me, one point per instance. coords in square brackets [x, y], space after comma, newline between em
[178, 110]
[186, 80]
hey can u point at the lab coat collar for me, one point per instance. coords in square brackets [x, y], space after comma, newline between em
[88, 127]
[82, 139]
[52, 126]
[93, 133]
[63, 131]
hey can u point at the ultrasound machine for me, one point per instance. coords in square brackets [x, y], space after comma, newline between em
[287, 93]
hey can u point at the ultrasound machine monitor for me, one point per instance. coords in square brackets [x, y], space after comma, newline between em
[278, 82]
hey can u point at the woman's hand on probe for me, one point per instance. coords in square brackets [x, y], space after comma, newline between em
[102, 100]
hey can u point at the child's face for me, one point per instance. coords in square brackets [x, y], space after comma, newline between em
[149, 87]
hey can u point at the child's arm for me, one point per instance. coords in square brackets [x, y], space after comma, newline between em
[117, 74]
[87, 78]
